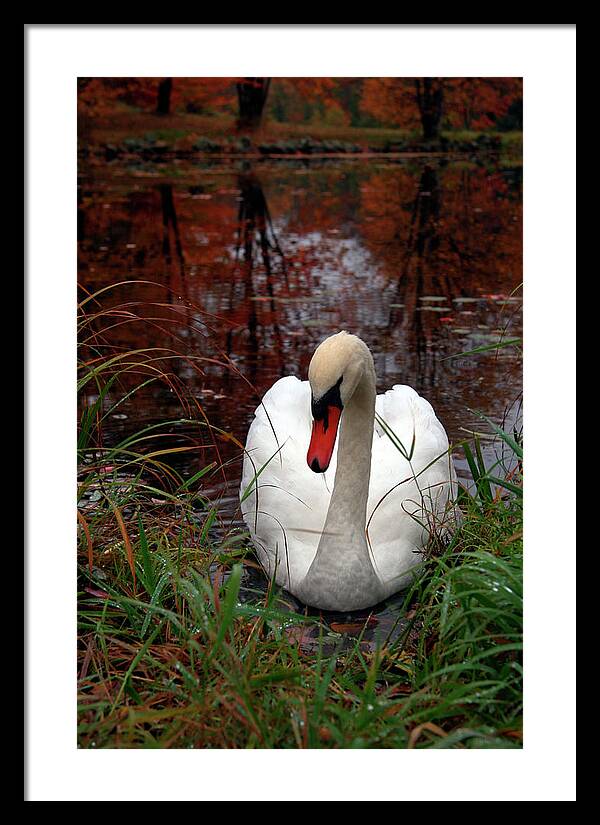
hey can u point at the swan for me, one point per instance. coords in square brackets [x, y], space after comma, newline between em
[342, 523]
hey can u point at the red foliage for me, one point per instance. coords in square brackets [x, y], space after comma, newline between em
[300, 91]
[100, 95]
[476, 102]
[469, 102]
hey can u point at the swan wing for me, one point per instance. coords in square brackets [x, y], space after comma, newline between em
[411, 479]
[284, 503]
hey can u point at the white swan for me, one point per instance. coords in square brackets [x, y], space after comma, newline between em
[307, 512]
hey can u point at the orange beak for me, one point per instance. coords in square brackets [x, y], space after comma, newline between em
[322, 440]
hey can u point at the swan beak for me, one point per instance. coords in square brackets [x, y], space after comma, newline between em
[322, 440]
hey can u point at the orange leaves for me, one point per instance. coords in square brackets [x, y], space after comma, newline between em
[102, 95]
[354, 628]
[475, 102]
[299, 99]
[204, 93]
[469, 102]
[392, 100]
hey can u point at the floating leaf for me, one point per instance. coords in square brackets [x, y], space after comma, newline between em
[353, 627]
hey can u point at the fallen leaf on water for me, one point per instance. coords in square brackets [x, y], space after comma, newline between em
[353, 627]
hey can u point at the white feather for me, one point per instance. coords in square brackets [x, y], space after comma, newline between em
[286, 519]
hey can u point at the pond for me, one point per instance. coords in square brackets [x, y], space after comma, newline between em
[250, 264]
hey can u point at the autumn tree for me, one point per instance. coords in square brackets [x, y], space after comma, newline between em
[431, 102]
[100, 95]
[478, 103]
[406, 102]
[302, 99]
[252, 95]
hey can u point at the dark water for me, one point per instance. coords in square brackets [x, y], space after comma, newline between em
[254, 264]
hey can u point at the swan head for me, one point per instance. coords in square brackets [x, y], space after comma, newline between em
[334, 373]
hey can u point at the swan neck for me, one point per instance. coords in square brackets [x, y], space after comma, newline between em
[342, 575]
[354, 452]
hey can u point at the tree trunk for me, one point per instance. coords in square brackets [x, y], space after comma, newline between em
[430, 98]
[252, 96]
[163, 103]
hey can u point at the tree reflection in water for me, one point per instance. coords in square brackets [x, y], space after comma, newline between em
[259, 264]
[416, 278]
[171, 227]
[255, 235]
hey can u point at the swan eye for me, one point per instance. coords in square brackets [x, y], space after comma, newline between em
[331, 398]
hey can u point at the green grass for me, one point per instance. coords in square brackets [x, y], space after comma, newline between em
[172, 659]
[174, 650]
[128, 123]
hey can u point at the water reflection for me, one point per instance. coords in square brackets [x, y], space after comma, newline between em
[259, 264]
[256, 237]
[417, 279]
[170, 231]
